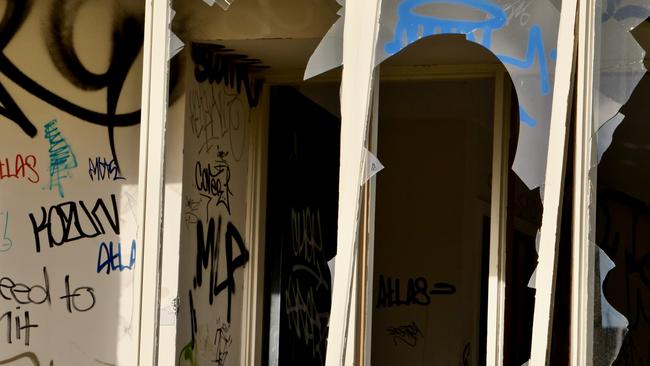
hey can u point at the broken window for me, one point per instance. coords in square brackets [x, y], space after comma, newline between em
[523, 37]
[618, 328]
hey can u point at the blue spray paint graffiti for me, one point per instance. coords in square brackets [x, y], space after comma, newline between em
[411, 23]
[535, 52]
[62, 159]
[412, 26]
[110, 258]
[614, 10]
[525, 118]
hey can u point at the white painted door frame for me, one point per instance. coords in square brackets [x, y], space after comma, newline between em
[583, 254]
[359, 39]
[498, 222]
[150, 180]
[500, 169]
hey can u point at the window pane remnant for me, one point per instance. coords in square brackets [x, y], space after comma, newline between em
[620, 296]
[523, 36]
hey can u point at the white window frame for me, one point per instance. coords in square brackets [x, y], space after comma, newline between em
[546, 272]
[360, 33]
[583, 254]
[359, 39]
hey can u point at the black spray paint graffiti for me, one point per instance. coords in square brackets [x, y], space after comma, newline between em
[222, 341]
[22, 329]
[212, 180]
[70, 221]
[191, 215]
[304, 318]
[207, 256]
[218, 119]
[80, 300]
[103, 169]
[218, 113]
[306, 297]
[188, 351]
[17, 323]
[218, 64]
[417, 292]
[307, 245]
[127, 33]
[465, 359]
[408, 334]
[22, 294]
[31, 356]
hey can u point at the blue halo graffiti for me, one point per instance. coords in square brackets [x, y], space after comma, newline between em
[410, 22]
[412, 26]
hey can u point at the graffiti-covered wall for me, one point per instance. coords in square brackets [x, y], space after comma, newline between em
[221, 99]
[69, 106]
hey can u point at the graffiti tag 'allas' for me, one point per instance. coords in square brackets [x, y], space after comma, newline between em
[418, 292]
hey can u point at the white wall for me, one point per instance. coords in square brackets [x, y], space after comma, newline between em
[52, 85]
[245, 19]
[214, 251]
[51, 70]
[431, 198]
